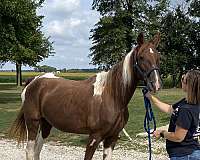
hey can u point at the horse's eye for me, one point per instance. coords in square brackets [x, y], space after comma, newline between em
[141, 57]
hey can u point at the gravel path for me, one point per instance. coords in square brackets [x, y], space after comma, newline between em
[50, 151]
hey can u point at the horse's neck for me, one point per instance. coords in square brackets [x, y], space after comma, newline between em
[122, 82]
[127, 90]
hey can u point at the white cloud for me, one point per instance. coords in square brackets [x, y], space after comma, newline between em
[69, 22]
[64, 5]
[64, 28]
[55, 28]
[73, 22]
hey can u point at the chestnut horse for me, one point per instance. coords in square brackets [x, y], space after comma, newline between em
[96, 106]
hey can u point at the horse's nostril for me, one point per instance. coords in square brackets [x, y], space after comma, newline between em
[157, 87]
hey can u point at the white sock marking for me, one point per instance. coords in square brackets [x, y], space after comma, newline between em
[30, 150]
[38, 145]
[108, 153]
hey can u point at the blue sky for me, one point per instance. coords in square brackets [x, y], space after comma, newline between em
[68, 22]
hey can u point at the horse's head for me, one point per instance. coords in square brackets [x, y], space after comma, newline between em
[147, 62]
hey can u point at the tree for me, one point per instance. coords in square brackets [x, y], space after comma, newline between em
[194, 13]
[115, 33]
[109, 39]
[179, 44]
[22, 41]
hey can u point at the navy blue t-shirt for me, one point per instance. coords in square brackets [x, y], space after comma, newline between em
[185, 116]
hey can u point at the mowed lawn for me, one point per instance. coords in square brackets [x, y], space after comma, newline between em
[10, 103]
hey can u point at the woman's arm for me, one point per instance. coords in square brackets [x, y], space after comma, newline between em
[164, 107]
[177, 136]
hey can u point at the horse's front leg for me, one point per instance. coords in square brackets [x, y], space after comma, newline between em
[109, 144]
[92, 145]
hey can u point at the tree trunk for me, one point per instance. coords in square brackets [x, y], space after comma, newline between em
[179, 78]
[174, 80]
[18, 74]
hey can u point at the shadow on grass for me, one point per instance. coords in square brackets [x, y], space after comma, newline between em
[68, 138]
[7, 86]
[6, 98]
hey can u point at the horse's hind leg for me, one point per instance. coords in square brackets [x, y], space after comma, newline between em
[38, 130]
[32, 125]
[44, 132]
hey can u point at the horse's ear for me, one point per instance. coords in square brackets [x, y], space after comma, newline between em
[140, 39]
[156, 39]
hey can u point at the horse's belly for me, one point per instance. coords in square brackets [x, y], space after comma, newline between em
[71, 122]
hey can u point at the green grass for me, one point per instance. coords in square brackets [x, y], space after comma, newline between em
[10, 103]
[10, 77]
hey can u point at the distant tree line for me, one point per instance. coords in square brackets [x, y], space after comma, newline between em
[46, 68]
[115, 33]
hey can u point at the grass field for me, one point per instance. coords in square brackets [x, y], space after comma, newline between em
[10, 103]
[9, 77]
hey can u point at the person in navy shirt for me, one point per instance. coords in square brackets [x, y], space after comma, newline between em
[184, 127]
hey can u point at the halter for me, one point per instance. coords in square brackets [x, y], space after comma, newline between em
[145, 75]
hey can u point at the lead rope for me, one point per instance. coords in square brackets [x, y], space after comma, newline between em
[149, 117]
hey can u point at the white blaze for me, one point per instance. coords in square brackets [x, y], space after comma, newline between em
[127, 69]
[151, 50]
[157, 84]
[100, 83]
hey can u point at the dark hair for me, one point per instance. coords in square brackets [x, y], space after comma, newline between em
[193, 86]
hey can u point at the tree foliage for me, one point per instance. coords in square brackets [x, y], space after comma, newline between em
[115, 33]
[180, 43]
[21, 39]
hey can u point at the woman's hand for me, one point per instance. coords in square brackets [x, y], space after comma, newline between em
[156, 133]
[148, 95]
[164, 107]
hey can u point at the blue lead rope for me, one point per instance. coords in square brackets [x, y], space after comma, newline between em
[149, 118]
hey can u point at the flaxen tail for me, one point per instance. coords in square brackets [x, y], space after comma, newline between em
[18, 128]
